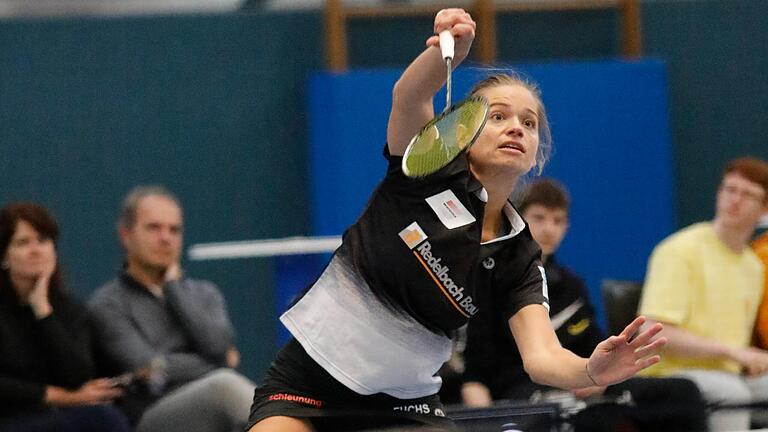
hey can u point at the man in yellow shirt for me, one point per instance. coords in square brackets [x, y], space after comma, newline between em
[705, 284]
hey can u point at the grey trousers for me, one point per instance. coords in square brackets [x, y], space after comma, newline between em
[727, 387]
[217, 402]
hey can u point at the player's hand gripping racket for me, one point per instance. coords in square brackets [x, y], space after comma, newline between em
[450, 133]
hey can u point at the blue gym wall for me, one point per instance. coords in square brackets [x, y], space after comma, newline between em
[610, 124]
[210, 106]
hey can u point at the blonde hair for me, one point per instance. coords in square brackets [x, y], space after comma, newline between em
[545, 134]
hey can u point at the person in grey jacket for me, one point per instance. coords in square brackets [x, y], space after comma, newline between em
[169, 334]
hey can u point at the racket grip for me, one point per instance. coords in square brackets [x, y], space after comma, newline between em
[446, 44]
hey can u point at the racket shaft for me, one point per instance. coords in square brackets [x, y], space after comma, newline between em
[447, 84]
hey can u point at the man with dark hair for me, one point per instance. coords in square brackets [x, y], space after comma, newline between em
[494, 368]
[171, 330]
[705, 284]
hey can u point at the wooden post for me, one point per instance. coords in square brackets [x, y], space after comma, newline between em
[485, 42]
[631, 32]
[484, 11]
[335, 36]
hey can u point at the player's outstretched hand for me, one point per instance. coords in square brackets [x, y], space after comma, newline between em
[620, 357]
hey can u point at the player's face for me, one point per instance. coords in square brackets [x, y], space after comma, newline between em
[548, 226]
[740, 202]
[155, 239]
[510, 139]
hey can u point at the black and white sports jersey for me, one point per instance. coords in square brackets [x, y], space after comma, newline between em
[410, 270]
[417, 245]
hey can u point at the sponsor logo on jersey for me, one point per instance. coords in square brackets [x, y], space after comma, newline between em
[440, 274]
[450, 210]
[489, 263]
[412, 235]
[453, 208]
[415, 408]
[296, 398]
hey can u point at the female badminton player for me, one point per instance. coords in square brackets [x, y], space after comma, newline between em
[371, 332]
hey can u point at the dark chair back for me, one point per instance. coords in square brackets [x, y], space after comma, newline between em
[621, 299]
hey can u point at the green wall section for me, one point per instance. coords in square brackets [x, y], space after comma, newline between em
[210, 106]
[717, 55]
[522, 37]
[213, 106]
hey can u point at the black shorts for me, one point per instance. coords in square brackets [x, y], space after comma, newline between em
[296, 386]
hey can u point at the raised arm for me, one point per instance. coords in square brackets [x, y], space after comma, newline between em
[613, 360]
[412, 95]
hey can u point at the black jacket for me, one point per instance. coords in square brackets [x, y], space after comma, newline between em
[36, 353]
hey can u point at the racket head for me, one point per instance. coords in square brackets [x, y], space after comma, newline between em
[445, 137]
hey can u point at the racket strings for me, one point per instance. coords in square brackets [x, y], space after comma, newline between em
[443, 138]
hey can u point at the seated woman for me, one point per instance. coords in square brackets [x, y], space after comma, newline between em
[46, 362]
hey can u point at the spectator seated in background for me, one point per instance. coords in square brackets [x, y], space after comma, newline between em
[170, 330]
[494, 368]
[705, 284]
[46, 362]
